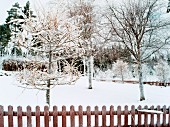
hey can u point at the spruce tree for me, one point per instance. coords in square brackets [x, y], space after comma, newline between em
[12, 27]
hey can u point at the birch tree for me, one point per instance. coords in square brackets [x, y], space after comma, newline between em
[91, 34]
[141, 26]
[53, 38]
[83, 12]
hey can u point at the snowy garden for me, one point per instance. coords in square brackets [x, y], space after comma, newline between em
[74, 55]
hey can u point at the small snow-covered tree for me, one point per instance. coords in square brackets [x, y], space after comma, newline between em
[52, 37]
[162, 71]
[120, 69]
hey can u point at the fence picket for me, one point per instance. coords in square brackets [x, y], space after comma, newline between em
[46, 116]
[111, 116]
[152, 117]
[119, 116]
[88, 116]
[37, 116]
[133, 116]
[29, 118]
[146, 117]
[63, 116]
[104, 116]
[96, 116]
[164, 116]
[55, 116]
[72, 116]
[139, 116]
[169, 116]
[19, 116]
[1, 116]
[10, 116]
[158, 117]
[126, 116]
[80, 116]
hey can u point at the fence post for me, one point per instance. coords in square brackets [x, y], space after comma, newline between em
[111, 116]
[104, 116]
[88, 116]
[133, 116]
[55, 116]
[72, 116]
[63, 116]
[119, 116]
[96, 112]
[19, 116]
[126, 116]
[37, 115]
[152, 117]
[10, 116]
[29, 119]
[158, 117]
[146, 117]
[164, 116]
[80, 116]
[139, 116]
[1, 116]
[46, 116]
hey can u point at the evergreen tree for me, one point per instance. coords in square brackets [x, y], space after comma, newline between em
[27, 10]
[5, 35]
[13, 27]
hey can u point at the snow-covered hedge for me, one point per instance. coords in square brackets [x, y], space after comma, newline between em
[17, 65]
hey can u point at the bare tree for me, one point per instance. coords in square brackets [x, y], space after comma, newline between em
[54, 41]
[139, 25]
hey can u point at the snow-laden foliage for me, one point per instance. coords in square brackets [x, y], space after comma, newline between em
[120, 69]
[162, 71]
[53, 37]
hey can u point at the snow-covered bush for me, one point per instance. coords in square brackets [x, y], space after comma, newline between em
[120, 69]
[162, 71]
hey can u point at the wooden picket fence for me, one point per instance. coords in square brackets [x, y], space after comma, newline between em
[128, 116]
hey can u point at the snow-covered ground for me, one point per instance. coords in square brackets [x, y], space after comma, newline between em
[103, 93]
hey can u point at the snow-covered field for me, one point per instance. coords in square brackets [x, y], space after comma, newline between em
[103, 93]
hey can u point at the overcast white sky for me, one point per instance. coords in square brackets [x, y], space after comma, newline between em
[6, 5]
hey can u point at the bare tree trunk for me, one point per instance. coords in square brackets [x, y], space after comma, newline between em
[49, 82]
[122, 76]
[142, 97]
[90, 70]
[84, 65]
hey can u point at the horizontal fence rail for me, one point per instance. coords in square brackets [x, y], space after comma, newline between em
[156, 83]
[115, 116]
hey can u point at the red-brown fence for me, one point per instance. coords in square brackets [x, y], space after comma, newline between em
[157, 83]
[127, 116]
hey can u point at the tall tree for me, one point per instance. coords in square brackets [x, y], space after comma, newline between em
[141, 27]
[5, 35]
[84, 15]
[15, 13]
